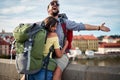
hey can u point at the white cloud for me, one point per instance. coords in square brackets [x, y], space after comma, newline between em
[25, 0]
[16, 9]
[9, 25]
[2, 17]
[85, 11]
[30, 0]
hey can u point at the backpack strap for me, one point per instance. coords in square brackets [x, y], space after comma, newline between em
[43, 26]
[63, 24]
[46, 60]
[11, 50]
[69, 38]
[34, 28]
[68, 33]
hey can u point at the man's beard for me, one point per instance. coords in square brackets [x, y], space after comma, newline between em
[55, 13]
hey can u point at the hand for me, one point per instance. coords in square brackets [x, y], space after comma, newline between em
[104, 28]
[63, 51]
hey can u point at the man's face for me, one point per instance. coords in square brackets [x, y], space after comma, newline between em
[53, 8]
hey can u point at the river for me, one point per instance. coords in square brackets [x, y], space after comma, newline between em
[101, 61]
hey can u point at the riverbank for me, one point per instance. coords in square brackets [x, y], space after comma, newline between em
[98, 60]
[99, 56]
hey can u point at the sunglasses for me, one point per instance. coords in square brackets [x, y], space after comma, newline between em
[54, 3]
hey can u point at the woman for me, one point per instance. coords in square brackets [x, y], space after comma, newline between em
[52, 38]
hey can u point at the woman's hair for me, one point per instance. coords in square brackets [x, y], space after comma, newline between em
[50, 22]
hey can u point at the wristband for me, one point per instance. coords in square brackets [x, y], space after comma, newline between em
[99, 28]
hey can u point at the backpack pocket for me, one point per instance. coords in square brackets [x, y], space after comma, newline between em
[22, 64]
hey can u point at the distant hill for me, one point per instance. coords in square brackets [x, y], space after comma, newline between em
[113, 36]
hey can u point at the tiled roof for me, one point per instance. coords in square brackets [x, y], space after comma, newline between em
[84, 37]
[3, 42]
[110, 45]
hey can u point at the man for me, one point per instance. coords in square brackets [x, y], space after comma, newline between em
[53, 10]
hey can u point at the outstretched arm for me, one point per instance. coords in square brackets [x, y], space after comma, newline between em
[93, 27]
[72, 25]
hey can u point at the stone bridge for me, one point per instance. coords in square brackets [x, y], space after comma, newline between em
[72, 72]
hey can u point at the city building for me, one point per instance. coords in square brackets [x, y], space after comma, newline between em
[107, 48]
[85, 42]
[6, 39]
[4, 47]
[108, 39]
[109, 45]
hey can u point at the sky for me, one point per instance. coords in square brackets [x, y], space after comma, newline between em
[94, 12]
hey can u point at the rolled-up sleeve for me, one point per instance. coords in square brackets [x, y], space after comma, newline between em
[72, 25]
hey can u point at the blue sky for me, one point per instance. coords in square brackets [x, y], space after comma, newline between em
[13, 12]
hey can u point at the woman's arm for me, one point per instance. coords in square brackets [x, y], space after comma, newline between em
[65, 47]
[59, 52]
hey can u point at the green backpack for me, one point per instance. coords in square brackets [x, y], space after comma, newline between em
[29, 45]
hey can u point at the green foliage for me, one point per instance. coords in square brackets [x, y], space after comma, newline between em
[113, 36]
